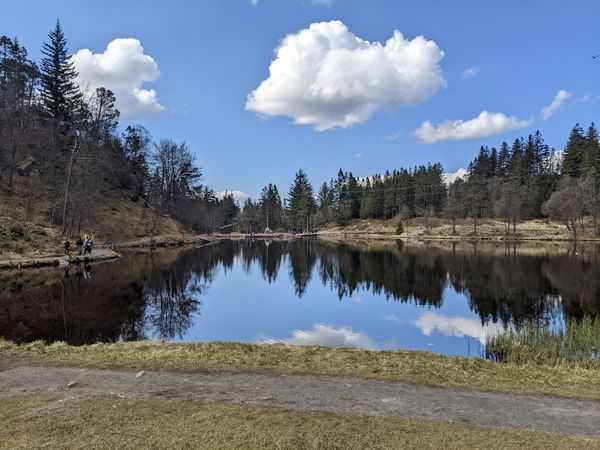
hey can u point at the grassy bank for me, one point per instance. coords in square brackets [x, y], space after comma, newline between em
[577, 345]
[406, 366]
[442, 229]
[112, 422]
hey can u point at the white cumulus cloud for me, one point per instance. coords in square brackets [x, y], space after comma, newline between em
[455, 326]
[556, 104]
[327, 335]
[328, 77]
[123, 68]
[240, 196]
[470, 72]
[485, 124]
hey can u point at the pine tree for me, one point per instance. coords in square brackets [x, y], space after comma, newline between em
[229, 209]
[591, 152]
[354, 196]
[366, 206]
[18, 75]
[504, 160]
[573, 156]
[542, 154]
[60, 95]
[301, 204]
[494, 162]
[270, 209]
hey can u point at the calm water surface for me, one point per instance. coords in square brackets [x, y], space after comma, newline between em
[372, 294]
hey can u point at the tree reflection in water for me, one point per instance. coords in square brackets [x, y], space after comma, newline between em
[158, 295]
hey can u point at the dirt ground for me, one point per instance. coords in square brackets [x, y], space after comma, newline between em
[315, 393]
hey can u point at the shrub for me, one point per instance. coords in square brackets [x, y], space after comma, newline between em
[400, 228]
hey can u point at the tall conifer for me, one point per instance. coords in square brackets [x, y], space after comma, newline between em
[59, 92]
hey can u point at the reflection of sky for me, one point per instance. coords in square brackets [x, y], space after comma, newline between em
[242, 306]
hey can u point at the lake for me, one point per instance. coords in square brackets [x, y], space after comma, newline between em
[376, 294]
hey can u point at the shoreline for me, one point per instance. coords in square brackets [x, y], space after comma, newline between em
[112, 252]
[99, 255]
[404, 237]
[103, 254]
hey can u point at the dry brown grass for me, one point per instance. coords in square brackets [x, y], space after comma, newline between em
[398, 365]
[487, 229]
[112, 422]
[115, 218]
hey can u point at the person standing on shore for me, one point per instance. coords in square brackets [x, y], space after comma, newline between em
[67, 247]
[79, 245]
[89, 245]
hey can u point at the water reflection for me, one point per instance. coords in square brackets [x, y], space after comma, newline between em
[328, 335]
[457, 326]
[161, 294]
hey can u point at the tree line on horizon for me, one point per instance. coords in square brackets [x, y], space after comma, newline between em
[67, 148]
[525, 180]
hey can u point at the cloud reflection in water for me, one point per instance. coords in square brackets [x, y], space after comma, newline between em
[327, 335]
[455, 326]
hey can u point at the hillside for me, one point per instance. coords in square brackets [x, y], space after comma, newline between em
[28, 229]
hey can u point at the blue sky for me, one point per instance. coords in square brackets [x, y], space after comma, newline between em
[203, 59]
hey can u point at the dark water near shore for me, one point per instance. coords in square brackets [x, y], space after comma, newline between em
[373, 294]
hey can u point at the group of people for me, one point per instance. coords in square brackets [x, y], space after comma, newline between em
[84, 245]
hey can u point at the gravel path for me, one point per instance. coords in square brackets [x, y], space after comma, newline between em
[317, 393]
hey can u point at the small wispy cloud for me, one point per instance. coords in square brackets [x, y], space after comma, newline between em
[557, 103]
[393, 318]
[470, 72]
[392, 137]
[359, 155]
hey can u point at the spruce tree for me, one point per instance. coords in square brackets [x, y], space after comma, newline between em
[60, 94]
[270, 209]
[504, 160]
[573, 157]
[591, 152]
[301, 204]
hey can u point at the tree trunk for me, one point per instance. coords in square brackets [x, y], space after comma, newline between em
[574, 228]
[12, 166]
[74, 154]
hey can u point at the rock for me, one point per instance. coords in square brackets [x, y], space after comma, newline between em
[140, 374]
[71, 384]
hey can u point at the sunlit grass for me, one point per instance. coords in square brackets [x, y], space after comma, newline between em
[575, 345]
[113, 422]
[415, 367]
